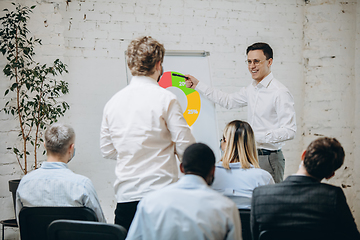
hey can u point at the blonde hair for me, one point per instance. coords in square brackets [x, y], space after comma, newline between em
[240, 145]
[142, 55]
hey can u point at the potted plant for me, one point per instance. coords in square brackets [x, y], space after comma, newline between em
[34, 89]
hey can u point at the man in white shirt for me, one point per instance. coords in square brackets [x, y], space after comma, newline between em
[54, 184]
[270, 111]
[188, 209]
[143, 128]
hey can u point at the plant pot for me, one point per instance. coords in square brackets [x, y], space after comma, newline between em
[13, 185]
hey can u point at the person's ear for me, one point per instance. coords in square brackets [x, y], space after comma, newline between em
[303, 155]
[182, 168]
[158, 66]
[210, 177]
[71, 147]
[330, 176]
[212, 172]
[270, 62]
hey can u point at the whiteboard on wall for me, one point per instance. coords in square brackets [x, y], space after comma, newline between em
[195, 63]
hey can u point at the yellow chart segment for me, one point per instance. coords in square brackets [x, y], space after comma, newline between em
[193, 108]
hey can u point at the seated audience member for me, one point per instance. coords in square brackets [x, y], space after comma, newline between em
[238, 172]
[189, 208]
[53, 184]
[303, 202]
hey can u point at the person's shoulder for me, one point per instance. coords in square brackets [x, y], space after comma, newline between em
[330, 187]
[114, 98]
[28, 177]
[267, 189]
[165, 93]
[262, 173]
[79, 177]
[278, 85]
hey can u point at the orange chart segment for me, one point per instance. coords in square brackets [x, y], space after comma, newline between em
[193, 108]
[175, 79]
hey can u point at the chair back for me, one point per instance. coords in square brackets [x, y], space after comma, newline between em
[81, 230]
[245, 223]
[34, 221]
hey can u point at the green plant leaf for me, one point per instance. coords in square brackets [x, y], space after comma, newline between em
[37, 103]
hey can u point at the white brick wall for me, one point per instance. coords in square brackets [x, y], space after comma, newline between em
[92, 35]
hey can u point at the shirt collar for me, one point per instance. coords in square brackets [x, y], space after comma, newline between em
[265, 82]
[54, 165]
[301, 179]
[140, 80]
[191, 181]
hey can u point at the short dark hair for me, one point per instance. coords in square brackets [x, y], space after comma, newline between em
[323, 157]
[198, 159]
[267, 50]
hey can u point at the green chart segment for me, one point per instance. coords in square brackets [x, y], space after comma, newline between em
[193, 97]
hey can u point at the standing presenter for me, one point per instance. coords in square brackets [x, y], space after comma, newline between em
[270, 111]
[144, 130]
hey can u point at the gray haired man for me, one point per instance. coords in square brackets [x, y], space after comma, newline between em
[54, 184]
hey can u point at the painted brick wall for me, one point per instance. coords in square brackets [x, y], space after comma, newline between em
[92, 35]
[356, 174]
[329, 106]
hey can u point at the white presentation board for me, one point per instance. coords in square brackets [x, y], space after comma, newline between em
[203, 122]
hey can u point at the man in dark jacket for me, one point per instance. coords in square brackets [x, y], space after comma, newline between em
[302, 202]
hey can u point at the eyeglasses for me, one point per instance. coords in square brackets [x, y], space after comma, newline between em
[222, 141]
[255, 61]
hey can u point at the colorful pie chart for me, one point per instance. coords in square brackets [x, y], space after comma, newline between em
[174, 79]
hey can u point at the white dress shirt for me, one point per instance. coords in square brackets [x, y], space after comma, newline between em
[188, 209]
[270, 113]
[144, 129]
[52, 185]
[238, 183]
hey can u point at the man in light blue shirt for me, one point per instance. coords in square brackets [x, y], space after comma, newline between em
[188, 209]
[54, 184]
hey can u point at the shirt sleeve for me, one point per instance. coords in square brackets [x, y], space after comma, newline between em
[270, 180]
[226, 100]
[180, 131]
[234, 225]
[284, 107]
[346, 224]
[106, 145]
[92, 201]
[18, 206]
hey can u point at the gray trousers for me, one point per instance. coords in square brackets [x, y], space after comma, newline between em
[274, 163]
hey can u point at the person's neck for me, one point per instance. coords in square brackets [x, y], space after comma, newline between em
[258, 81]
[54, 158]
[154, 76]
[302, 172]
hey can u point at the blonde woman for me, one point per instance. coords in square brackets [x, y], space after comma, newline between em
[238, 172]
